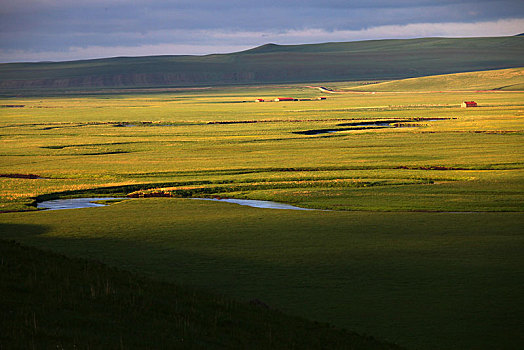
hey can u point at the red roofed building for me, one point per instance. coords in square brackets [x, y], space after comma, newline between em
[278, 99]
[467, 104]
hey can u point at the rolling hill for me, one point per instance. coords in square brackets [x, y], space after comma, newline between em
[363, 60]
[511, 79]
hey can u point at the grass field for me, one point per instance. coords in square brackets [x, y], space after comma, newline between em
[500, 80]
[423, 247]
[421, 280]
[51, 301]
[193, 140]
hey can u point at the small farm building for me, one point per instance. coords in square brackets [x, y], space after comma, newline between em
[259, 100]
[467, 104]
[278, 99]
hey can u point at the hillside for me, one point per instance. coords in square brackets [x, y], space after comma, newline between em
[363, 60]
[503, 79]
[51, 301]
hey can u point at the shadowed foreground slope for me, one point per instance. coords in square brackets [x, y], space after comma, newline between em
[51, 301]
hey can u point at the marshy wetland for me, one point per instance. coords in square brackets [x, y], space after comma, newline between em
[387, 254]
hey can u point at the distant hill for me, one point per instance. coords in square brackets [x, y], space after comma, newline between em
[503, 79]
[361, 60]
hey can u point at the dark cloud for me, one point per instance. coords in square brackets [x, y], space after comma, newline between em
[60, 24]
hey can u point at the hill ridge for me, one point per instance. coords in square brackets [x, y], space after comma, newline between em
[510, 79]
[272, 63]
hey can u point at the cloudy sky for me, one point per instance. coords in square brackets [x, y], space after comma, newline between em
[59, 30]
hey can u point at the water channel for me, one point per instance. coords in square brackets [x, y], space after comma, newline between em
[73, 203]
[370, 125]
[255, 203]
[78, 203]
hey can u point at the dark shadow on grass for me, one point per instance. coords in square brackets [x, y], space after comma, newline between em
[50, 299]
[425, 285]
[22, 230]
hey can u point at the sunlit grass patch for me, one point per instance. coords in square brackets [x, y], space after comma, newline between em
[201, 135]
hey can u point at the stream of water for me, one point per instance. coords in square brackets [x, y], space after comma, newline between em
[78, 203]
[73, 203]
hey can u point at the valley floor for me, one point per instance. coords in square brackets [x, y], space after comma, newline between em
[422, 243]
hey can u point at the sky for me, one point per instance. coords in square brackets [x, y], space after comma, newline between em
[62, 30]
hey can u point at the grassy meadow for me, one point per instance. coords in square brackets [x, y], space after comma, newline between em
[499, 80]
[73, 303]
[421, 280]
[421, 245]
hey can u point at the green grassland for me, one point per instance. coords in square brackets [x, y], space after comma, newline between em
[204, 142]
[51, 301]
[361, 60]
[504, 80]
[421, 280]
[422, 248]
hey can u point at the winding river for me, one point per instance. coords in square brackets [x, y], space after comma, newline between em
[78, 203]
[73, 203]
[255, 203]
